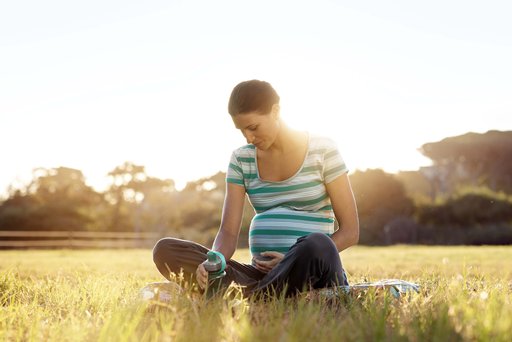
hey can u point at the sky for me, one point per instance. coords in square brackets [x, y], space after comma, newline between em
[92, 84]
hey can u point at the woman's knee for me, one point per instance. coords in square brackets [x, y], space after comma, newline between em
[164, 250]
[318, 245]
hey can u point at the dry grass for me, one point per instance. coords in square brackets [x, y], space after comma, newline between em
[94, 295]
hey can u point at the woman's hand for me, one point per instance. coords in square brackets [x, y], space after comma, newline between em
[201, 276]
[267, 266]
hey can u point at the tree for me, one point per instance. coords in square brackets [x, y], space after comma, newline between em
[17, 212]
[416, 185]
[156, 209]
[200, 207]
[124, 192]
[380, 198]
[202, 202]
[56, 199]
[467, 210]
[471, 159]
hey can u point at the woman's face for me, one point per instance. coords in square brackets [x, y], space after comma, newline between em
[258, 129]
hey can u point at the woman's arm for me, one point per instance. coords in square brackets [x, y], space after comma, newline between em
[227, 236]
[345, 210]
[232, 212]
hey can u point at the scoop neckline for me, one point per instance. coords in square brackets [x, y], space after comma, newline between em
[292, 176]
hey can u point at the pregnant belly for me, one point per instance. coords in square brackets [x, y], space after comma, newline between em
[278, 229]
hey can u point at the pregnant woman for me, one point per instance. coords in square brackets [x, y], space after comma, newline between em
[298, 185]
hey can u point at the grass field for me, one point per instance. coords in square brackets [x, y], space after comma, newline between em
[93, 295]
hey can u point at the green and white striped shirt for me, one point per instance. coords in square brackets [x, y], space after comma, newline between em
[295, 207]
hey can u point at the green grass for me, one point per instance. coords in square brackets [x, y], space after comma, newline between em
[94, 295]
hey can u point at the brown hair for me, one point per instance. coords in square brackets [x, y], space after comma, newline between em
[252, 96]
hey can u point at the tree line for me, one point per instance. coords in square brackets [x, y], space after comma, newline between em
[465, 197]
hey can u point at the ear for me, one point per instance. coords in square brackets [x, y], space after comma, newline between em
[276, 111]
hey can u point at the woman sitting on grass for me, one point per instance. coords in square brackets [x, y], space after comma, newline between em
[297, 184]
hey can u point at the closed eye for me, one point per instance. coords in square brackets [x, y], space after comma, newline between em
[252, 128]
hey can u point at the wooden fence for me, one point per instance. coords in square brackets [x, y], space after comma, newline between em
[73, 239]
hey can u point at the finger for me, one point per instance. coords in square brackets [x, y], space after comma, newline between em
[201, 276]
[267, 255]
[200, 282]
[268, 268]
[264, 264]
[262, 269]
[260, 262]
[277, 260]
[265, 270]
[273, 254]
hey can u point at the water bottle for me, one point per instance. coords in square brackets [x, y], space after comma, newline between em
[216, 266]
[161, 291]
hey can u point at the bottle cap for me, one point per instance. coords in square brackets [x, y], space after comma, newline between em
[215, 262]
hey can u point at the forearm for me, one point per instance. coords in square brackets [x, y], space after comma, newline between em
[345, 237]
[345, 211]
[225, 243]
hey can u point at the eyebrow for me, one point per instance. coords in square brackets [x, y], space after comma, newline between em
[252, 124]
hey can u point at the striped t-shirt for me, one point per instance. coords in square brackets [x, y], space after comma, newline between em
[295, 207]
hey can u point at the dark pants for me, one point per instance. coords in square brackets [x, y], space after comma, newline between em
[312, 262]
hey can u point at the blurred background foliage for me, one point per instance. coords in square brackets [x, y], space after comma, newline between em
[464, 197]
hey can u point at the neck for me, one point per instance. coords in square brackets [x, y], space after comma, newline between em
[286, 140]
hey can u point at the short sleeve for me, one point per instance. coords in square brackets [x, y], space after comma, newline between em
[334, 165]
[235, 174]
